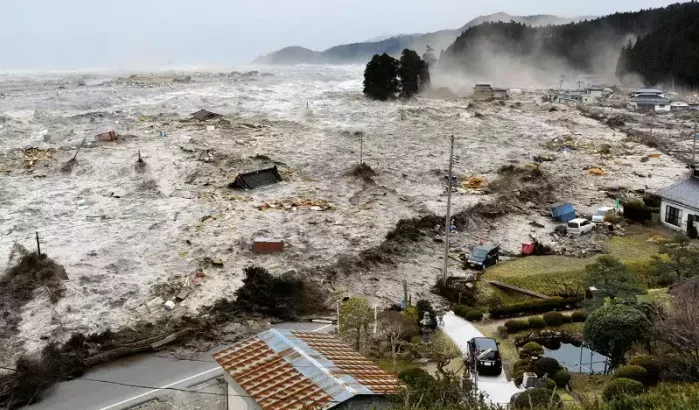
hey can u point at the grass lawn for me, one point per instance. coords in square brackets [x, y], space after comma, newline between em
[552, 275]
[655, 295]
[590, 386]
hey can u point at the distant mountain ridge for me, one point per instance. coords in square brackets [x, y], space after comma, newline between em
[362, 52]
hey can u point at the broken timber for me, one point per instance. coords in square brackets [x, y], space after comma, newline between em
[505, 286]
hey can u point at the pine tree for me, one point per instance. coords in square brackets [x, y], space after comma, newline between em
[429, 57]
[411, 65]
[380, 77]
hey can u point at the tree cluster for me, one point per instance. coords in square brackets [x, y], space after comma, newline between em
[386, 78]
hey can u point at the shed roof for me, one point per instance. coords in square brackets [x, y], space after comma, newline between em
[256, 179]
[285, 369]
[649, 91]
[483, 87]
[203, 115]
[684, 193]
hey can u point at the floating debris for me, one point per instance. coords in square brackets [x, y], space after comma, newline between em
[291, 204]
[33, 155]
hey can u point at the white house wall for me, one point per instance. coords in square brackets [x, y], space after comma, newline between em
[685, 215]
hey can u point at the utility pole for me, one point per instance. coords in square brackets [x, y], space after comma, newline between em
[447, 225]
[694, 146]
[38, 245]
[579, 84]
[361, 148]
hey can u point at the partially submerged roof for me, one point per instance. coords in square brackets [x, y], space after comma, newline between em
[285, 369]
[203, 115]
[649, 91]
[683, 193]
[256, 179]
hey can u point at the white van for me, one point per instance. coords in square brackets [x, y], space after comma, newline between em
[580, 226]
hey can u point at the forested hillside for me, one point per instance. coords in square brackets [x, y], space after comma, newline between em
[589, 46]
[670, 53]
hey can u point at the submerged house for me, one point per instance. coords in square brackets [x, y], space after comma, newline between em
[679, 207]
[285, 369]
[488, 92]
[256, 179]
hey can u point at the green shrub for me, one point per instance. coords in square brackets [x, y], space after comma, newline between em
[561, 377]
[462, 310]
[636, 210]
[535, 306]
[474, 315]
[550, 385]
[553, 318]
[502, 332]
[537, 322]
[567, 319]
[651, 364]
[578, 316]
[620, 388]
[415, 377]
[531, 349]
[632, 372]
[536, 399]
[546, 365]
[514, 326]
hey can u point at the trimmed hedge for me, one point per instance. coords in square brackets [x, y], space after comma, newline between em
[632, 372]
[562, 378]
[553, 318]
[651, 364]
[503, 332]
[550, 385]
[619, 388]
[537, 398]
[474, 315]
[567, 319]
[514, 325]
[531, 349]
[578, 316]
[461, 310]
[636, 210]
[537, 322]
[546, 365]
[416, 377]
[535, 307]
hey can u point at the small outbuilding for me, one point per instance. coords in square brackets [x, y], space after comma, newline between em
[256, 179]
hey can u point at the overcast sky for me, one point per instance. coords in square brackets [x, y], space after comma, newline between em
[66, 34]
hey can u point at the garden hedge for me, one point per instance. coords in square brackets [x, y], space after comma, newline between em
[546, 365]
[535, 307]
[651, 364]
[578, 316]
[619, 388]
[537, 322]
[537, 398]
[515, 325]
[531, 349]
[553, 318]
[561, 377]
[632, 372]
[474, 315]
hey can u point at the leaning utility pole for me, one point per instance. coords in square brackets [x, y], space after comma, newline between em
[447, 225]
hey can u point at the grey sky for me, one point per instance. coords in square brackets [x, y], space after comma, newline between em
[51, 34]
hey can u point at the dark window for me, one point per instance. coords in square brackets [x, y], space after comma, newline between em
[585, 223]
[673, 215]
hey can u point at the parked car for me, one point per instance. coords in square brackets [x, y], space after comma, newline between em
[483, 256]
[484, 355]
[579, 226]
[601, 213]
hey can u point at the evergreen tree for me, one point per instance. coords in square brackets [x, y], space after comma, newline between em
[380, 77]
[424, 77]
[411, 65]
[429, 57]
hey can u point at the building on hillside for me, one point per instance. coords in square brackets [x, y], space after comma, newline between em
[285, 369]
[488, 92]
[649, 103]
[679, 207]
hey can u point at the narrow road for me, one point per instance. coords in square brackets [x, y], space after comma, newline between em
[497, 388]
[143, 370]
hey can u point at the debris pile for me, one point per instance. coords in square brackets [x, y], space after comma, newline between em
[33, 155]
[291, 204]
[474, 183]
[364, 172]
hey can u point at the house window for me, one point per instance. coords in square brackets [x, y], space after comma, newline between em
[673, 215]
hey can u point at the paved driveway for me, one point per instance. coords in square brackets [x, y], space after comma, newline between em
[497, 388]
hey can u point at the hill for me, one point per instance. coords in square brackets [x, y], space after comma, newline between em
[362, 52]
[503, 52]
